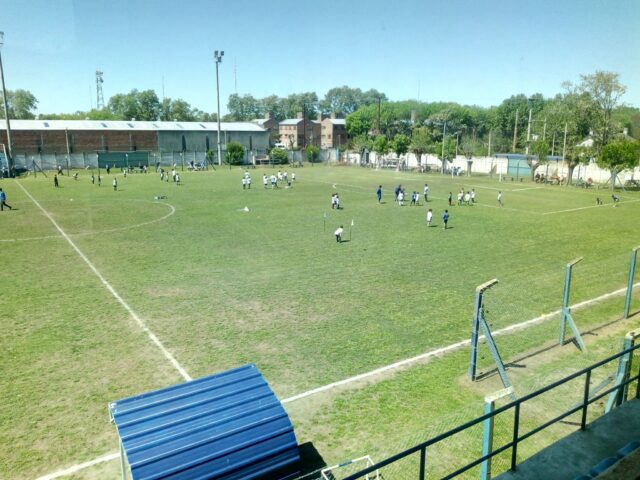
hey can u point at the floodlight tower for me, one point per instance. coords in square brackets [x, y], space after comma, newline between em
[218, 57]
[8, 151]
[99, 95]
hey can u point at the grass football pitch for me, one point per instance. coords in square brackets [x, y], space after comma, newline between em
[221, 286]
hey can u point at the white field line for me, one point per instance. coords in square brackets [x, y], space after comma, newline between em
[98, 232]
[591, 206]
[408, 361]
[526, 188]
[126, 306]
[449, 348]
[80, 466]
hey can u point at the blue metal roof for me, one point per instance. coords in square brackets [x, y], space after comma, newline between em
[225, 426]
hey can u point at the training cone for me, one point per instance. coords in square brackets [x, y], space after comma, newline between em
[245, 209]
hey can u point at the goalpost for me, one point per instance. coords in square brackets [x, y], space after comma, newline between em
[348, 467]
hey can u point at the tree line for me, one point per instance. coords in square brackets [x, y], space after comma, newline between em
[590, 108]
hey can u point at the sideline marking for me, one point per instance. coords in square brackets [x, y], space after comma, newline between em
[448, 348]
[432, 353]
[80, 466]
[590, 206]
[97, 232]
[126, 306]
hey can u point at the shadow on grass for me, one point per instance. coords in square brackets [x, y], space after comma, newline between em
[516, 362]
[311, 462]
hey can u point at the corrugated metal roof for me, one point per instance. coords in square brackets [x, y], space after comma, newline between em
[227, 425]
[129, 125]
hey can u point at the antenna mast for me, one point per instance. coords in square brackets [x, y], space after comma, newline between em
[99, 96]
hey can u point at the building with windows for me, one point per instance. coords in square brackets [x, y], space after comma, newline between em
[271, 125]
[293, 131]
[334, 132]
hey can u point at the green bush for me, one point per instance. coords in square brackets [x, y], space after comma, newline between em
[313, 154]
[279, 156]
[235, 153]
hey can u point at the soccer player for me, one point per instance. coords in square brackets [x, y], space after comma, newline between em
[265, 181]
[460, 197]
[450, 198]
[3, 201]
[467, 198]
[429, 217]
[401, 198]
[473, 195]
[445, 218]
[379, 193]
[244, 183]
[55, 181]
[500, 199]
[338, 233]
[115, 184]
[426, 192]
[615, 199]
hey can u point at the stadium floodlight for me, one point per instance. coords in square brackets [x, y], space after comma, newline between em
[9, 151]
[218, 58]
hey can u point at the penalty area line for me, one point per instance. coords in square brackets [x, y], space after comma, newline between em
[183, 373]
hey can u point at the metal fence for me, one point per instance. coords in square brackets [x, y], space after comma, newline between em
[417, 455]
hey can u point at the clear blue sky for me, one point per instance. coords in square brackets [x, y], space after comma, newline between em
[471, 52]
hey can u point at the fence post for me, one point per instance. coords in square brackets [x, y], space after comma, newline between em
[632, 271]
[566, 311]
[585, 401]
[514, 448]
[487, 429]
[423, 461]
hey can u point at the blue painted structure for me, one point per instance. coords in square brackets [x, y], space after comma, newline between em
[225, 426]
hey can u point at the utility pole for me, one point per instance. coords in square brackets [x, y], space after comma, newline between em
[218, 57]
[489, 149]
[544, 130]
[515, 133]
[444, 134]
[378, 115]
[9, 147]
[66, 136]
[528, 133]
[564, 143]
[304, 127]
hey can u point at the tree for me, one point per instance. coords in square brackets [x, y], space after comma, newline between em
[243, 108]
[421, 142]
[313, 154]
[342, 100]
[360, 122]
[139, 105]
[235, 153]
[380, 146]
[279, 156]
[605, 90]
[400, 144]
[618, 155]
[361, 143]
[540, 148]
[20, 104]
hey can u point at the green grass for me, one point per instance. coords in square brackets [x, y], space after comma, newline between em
[221, 287]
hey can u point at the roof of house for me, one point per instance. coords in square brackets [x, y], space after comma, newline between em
[118, 125]
[291, 121]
